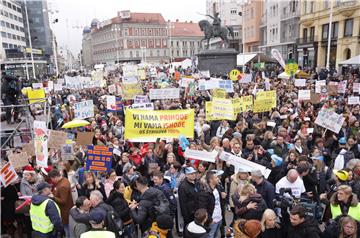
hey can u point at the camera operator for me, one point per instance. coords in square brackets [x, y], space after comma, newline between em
[10, 91]
[293, 181]
[300, 226]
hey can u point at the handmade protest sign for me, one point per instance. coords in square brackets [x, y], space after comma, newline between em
[342, 87]
[265, 101]
[110, 103]
[112, 88]
[247, 165]
[201, 155]
[332, 88]
[318, 85]
[37, 85]
[227, 85]
[8, 174]
[353, 100]
[222, 109]
[41, 143]
[84, 109]
[29, 148]
[84, 138]
[99, 158]
[67, 151]
[35, 95]
[330, 120]
[304, 95]
[56, 139]
[356, 87]
[159, 124]
[18, 160]
[246, 78]
[145, 106]
[130, 90]
[208, 114]
[300, 82]
[164, 93]
[141, 99]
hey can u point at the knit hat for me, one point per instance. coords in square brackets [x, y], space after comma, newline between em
[341, 174]
[251, 228]
[29, 169]
[165, 222]
[277, 159]
[46, 170]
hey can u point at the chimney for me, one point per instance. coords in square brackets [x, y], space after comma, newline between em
[177, 20]
[191, 21]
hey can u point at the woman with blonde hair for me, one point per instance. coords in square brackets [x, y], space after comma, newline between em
[348, 228]
[269, 227]
[251, 205]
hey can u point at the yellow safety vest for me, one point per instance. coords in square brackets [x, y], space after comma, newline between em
[98, 234]
[354, 212]
[41, 222]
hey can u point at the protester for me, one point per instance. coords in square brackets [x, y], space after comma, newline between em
[300, 226]
[344, 202]
[269, 226]
[97, 226]
[79, 217]
[187, 195]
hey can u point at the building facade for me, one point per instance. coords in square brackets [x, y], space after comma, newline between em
[252, 12]
[229, 13]
[185, 39]
[127, 37]
[279, 27]
[314, 32]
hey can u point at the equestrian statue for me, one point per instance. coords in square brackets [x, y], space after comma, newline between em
[215, 30]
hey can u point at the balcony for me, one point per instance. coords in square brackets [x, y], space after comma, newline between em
[289, 14]
[308, 40]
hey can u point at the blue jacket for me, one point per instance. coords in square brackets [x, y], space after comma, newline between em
[50, 211]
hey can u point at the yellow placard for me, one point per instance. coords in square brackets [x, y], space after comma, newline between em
[291, 68]
[219, 93]
[141, 124]
[142, 74]
[222, 109]
[243, 104]
[130, 90]
[265, 101]
[208, 114]
[35, 94]
[234, 74]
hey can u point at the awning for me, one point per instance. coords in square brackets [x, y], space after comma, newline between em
[248, 57]
[352, 61]
[244, 58]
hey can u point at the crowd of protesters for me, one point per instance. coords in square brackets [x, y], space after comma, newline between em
[154, 190]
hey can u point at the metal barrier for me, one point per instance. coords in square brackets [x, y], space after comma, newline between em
[26, 117]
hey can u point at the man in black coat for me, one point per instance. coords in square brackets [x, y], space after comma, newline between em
[10, 90]
[301, 227]
[264, 188]
[187, 195]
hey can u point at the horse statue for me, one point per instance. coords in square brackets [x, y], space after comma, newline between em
[215, 30]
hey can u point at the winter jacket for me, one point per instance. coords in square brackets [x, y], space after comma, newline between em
[234, 185]
[27, 189]
[249, 214]
[165, 188]
[78, 222]
[85, 191]
[275, 232]
[63, 197]
[352, 208]
[187, 197]
[50, 211]
[307, 229]
[194, 230]
[205, 199]
[267, 192]
[118, 202]
[107, 210]
[144, 213]
[332, 230]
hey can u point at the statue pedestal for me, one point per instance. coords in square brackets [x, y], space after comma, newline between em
[217, 61]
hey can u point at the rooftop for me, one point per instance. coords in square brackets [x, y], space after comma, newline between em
[137, 17]
[185, 29]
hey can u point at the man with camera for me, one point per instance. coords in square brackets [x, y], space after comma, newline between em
[300, 226]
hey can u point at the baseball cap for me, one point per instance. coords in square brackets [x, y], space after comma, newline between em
[342, 141]
[318, 158]
[190, 170]
[96, 216]
[341, 174]
[277, 159]
[42, 186]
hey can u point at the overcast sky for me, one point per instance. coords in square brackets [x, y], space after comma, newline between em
[73, 15]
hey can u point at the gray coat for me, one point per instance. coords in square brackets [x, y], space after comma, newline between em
[78, 222]
[28, 189]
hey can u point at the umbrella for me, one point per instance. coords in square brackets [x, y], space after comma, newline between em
[75, 123]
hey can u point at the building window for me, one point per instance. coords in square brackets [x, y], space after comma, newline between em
[325, 31]
[164, 52]
[150, 32]
[143, 43]
[5, 45]
[158, 53]
[172, 44]
[348, 27]
[312, 33]
[177, 53]
[335, 30]
[177, 43]
[233, 11]
[151, 53]
[326, 4]
[137, 53]
[126, 32]
[311, 6]
[305, 34]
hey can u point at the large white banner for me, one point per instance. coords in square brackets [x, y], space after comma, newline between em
[300, 82]
[165, 93]
[247, 165]
[330, 120]
[201, 155]
[214, 83]
[84, 109]
[145, 106]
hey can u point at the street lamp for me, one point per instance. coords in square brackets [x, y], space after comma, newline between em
[116, 29]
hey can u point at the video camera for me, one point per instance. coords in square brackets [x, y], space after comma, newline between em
[285, 202]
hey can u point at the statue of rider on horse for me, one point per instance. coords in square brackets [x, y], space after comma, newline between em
[215, 30]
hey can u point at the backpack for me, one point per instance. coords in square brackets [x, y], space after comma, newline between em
[114, 223]
[162, 205]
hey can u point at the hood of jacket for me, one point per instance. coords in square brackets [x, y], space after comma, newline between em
[354, 200]
[195, 229]
[114, 195]
[237, 232]
[38, 199]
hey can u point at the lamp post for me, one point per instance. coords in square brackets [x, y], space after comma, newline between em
[116, 29]
[30, 42]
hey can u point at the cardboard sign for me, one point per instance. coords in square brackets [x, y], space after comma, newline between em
[247, 165]
[57, 139]
[201, 155]
[99, 158]
[29, 148]
[112, 88]
[329, 120]
[67, 152]
[84, 138]
[129, 91]
[246, 78]
[300, 82]
[8, 174]
[304, 95]
[58, 87]
[342, 87]
[356, 87]
[141, 99]
[353, 100]
[84, 109]
[41, 143]
[165, 93]
[222, 109]
[18, 160]
[332, 88]
[110, 103]
[318, 85]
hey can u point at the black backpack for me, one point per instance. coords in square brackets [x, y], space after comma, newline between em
[161, 205]
[114, 224]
